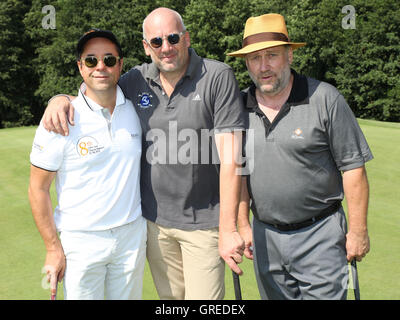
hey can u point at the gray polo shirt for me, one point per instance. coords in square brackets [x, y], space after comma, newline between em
[180, 171]
[298, 157]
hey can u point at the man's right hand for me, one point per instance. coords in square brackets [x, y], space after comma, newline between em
[231, 247]
[55, 268]
[58, 114]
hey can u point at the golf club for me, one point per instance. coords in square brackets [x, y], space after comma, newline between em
[236, 285]
[356, 284]
[53, 284]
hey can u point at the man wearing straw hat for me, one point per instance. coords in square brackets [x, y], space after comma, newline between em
[308, 153]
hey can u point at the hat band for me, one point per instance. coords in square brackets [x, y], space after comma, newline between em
[264, 36]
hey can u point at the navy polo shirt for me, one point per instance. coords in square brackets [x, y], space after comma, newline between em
[180, 170]
[298, 158]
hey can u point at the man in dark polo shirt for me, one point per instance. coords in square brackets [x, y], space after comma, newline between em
[309, 152]
[191, 114]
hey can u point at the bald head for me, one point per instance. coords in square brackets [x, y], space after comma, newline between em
[160, 15]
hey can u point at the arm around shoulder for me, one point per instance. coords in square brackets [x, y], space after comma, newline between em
[58, 114]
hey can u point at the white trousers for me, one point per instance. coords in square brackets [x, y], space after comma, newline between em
[105, 264]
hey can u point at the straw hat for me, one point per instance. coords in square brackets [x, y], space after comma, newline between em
[268, 30]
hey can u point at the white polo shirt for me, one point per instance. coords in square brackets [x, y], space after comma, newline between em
[97, 164]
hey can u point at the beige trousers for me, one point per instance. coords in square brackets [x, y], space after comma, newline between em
[185, 264]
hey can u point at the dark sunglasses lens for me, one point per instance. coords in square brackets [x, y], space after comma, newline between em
[110, 61]
[156, 42]
[173, 38]
[90, 62]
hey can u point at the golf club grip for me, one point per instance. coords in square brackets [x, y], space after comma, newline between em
[236, 285]
[356, 284]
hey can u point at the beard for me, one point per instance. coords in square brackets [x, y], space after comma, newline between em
[277, 86]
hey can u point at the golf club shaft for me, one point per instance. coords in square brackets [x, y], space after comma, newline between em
[356, 284]
[53, 286]
[236, 285]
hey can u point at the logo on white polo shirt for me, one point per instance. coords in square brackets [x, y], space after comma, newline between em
[38, 146]
[297, 134]
[88, 146]
[145, 100]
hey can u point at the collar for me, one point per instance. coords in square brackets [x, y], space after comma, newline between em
[298, 94]
[153, 73]
[120, 100]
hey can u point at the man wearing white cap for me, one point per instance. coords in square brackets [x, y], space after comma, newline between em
[309, 152]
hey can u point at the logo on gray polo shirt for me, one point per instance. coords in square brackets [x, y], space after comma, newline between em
[196, 98]
[145, 100]
[297, 134]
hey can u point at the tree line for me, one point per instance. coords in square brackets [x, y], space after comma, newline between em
[354, 45]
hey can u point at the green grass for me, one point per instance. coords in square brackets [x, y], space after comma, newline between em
[22, 251]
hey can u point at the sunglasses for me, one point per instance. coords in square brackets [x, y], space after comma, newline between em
[173, 38]
[108, 60]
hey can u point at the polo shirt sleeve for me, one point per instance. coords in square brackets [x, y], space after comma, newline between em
[124, 80]
[47, 150]
[347, 142]
[228, 105]
[128, 80]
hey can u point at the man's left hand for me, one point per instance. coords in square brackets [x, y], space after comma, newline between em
[357, 245]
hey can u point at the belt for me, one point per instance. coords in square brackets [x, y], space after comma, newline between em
[296, 226]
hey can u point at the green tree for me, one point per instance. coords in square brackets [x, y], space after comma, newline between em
[318, 23]
[236, 14]
[204, 21]
[55, 63]
[17, 80]
[361, 61]
[367, 72]
[177, 5]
